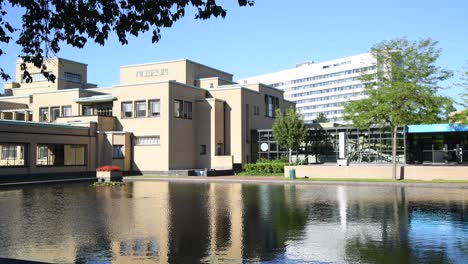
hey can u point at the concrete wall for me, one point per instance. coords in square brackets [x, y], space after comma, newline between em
[425, 173]
[183, 144]
[104, 123]
[56, 66]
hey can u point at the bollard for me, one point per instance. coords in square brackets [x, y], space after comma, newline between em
[292, 174]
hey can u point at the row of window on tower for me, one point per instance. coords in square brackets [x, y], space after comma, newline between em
[141, 108]
[50, 114]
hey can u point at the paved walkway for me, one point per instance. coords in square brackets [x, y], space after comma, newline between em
[281, 180]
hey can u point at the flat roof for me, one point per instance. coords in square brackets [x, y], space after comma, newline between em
[436, 128]
[39, 124]
[171, 61]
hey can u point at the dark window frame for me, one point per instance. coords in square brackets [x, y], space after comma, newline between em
[83, 107]
[122, 152]
[135, 109]
[63, 112]
[51, 109]
[123, 109]
[46, 119]
[180, 110]
[150, 109]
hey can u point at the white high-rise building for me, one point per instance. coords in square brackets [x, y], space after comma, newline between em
[321, 87]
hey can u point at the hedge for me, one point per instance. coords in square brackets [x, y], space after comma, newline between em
[264, 167]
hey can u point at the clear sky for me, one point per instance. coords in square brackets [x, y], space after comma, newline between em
[275, 35]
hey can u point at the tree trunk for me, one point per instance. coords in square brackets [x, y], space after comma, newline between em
[394, 152]
[297, 156]
[290, 156]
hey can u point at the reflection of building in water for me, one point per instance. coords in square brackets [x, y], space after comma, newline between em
[141, 233]
[41, 225]
[160, 222]
[158, 232]
[225, 223]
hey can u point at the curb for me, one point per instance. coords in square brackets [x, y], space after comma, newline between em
[299, 182]
[45, 182]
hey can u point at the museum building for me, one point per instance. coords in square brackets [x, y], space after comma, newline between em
[176, 117]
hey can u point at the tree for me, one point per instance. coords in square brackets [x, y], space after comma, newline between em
[321, 118]
[289, 130]
[462, 116]
[403, 88]
[48, 24]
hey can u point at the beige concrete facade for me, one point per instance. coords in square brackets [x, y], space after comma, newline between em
[176, 115]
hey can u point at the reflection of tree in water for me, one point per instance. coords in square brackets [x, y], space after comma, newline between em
[270, 218]
[189, 239]
[396, 246]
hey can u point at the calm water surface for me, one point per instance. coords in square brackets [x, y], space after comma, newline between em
[148, 222]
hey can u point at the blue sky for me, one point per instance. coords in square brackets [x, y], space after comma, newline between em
[275, 35]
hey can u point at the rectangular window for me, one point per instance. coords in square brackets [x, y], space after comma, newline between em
[118, 152]
[147, 141]
[54, 113]
[72, 77]
[74, 155]
[66, 110]
[271, 103]
[61, 155]
[36, 77]
[42, 152]
[154, 107]
[43, 114]
[9, 152]
[87, 110]
[247, 122]
[140, 109]
[126, 109]
[270, 106]
[188, 110]
[104, 109]
[12, 155]
[202, 149]
[178, 108]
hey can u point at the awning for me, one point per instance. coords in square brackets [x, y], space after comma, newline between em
[436, 128]
[96, 99]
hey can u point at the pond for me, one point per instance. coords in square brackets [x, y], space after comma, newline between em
[160, 222]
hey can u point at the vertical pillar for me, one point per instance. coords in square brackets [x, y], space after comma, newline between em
[2, 116]
[14, 116]
[342, 145]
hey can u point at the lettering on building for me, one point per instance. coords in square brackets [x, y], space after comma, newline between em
[152, 73]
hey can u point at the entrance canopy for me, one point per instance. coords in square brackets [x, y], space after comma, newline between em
[436, 128]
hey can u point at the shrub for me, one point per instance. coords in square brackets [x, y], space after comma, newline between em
[109, 168]
[266, 167]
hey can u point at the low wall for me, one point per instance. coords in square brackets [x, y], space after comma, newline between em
[436, 173]
[427, 173]
[221, 162]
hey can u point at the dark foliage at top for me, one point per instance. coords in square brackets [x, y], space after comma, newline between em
[48, 24]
